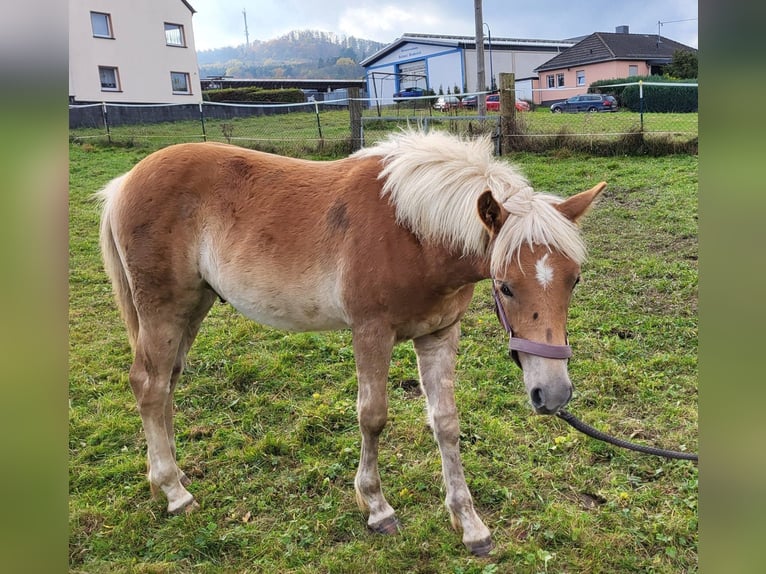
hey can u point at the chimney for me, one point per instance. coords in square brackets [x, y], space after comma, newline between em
[622, 30]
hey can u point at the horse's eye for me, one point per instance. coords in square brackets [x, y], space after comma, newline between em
[576, 282]
[505, 290]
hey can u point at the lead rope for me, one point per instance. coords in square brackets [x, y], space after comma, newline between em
[597, 434]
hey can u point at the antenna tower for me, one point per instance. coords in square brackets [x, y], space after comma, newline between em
[247, 35]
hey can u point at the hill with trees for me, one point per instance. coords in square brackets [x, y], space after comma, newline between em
[298, 54]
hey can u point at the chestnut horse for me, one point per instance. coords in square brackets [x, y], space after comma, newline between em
[388, 242]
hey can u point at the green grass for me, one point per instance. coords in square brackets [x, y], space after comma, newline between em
[267, 430]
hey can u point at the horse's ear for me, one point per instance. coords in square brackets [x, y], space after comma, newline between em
[490, 212]
[578, 205]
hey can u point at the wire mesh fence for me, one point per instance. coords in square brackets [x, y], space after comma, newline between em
[376, 128]
[340, 126]
[274, 127]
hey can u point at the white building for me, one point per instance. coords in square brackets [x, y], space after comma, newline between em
[441, 63]
[137, 51]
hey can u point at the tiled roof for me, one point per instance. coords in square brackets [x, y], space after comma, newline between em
[605, 46]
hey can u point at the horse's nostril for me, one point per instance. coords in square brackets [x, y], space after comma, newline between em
[536, 396]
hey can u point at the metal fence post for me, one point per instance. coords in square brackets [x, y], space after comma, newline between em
[319, 123]
[202, 120]
[105, 115]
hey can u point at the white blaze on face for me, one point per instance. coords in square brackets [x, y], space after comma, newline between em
[543, 271]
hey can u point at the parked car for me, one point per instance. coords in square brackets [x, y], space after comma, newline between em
[409, 93]
[586, 103]
[445, 103]
[493, 104]
[454, 102]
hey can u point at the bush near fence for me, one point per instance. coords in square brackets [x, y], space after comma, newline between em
[660, 99]
[255, 95]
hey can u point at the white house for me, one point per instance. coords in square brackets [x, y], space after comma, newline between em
[441, 63]
[137, 51]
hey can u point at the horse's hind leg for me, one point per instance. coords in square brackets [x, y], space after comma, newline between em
[161, 346]
[150, 378]
[436, 363]
[190, 333]
[372, 351]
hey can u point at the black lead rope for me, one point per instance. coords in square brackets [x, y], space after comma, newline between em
[597, 434]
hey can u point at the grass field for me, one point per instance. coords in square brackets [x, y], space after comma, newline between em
[267, 430]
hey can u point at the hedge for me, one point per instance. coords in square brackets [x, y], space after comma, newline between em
[253, 94]
[656, 98]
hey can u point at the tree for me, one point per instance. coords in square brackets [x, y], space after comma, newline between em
[683, 65]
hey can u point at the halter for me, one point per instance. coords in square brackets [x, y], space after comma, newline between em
[525, 345]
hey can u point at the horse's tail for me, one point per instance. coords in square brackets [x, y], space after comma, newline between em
[113, 264]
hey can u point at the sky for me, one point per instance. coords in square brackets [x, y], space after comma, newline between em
[220, 23]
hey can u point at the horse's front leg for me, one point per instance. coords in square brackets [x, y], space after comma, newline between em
[372, 351]
[436, 355]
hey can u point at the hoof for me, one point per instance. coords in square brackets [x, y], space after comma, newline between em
[186, 507]
[480, 547]
[388, 525]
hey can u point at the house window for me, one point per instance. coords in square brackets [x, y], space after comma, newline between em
[580, 77]
[633, 70]
[101, 24]
[180, 83]
[551, 81]
[559, 80]
[110, 79]
[174, 35]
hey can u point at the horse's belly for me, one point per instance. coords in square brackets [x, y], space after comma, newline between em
[290, 315]
[269, 291]
[308, 306]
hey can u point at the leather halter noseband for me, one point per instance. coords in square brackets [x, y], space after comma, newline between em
[525, 345]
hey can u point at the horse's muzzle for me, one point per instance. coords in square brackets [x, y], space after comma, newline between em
[547, 402]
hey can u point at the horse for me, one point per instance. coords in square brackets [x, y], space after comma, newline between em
[388, 242]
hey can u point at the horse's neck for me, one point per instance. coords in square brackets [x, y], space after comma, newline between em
[462, 270]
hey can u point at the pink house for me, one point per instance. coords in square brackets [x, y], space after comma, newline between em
[602, 56]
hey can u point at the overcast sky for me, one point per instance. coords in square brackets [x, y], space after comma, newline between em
[220, 23]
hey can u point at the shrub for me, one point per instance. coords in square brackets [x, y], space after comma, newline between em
[661, 98]
[253, 94]
[656, 98]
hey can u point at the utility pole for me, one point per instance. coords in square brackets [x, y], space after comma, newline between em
[481, 102]
[491, 70]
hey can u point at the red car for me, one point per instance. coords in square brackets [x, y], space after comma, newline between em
[493, 104]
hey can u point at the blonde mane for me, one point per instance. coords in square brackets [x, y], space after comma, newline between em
[435, 179]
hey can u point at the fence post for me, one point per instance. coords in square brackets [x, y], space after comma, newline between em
[641, 102]
[319, 123]
[507, 110]
[202, 119]
[355, 113]
[105, 115]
